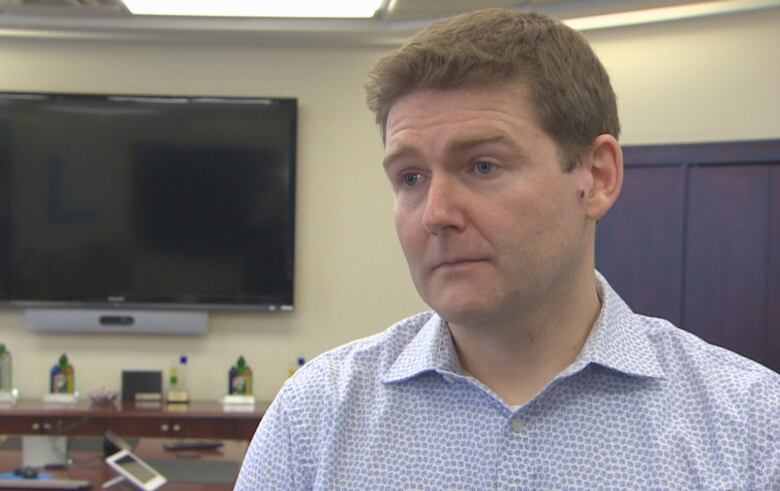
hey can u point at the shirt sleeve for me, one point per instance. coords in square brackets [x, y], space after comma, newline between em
[269, 462]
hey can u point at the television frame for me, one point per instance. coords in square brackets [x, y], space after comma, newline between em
[175, 315]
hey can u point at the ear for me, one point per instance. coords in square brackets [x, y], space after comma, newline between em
[604, 162]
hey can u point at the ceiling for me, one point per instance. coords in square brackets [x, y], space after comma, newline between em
[415, 10]
[396, 21]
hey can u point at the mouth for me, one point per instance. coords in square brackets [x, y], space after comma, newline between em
[454, 264]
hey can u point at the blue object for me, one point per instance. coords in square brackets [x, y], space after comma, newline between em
[14, 475]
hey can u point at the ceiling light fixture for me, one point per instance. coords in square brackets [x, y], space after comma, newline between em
[661, 14]
[257, 8]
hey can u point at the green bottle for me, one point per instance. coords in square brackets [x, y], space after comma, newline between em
[240, 378]
[62, 379]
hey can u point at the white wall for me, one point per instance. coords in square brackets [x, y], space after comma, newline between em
[706, 79]
[699, 80]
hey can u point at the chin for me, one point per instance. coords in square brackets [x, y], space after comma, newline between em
[460, 302]
[463, 314]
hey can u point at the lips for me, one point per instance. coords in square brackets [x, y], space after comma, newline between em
[455, 263]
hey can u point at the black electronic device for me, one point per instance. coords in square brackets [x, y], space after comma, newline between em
[192, 445]
[26, 472]
[143, 385]
[113, 443]
[112, 201]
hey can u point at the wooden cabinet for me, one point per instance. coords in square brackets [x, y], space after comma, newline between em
[639, 243]
[193, 420]
[695, 238]
[47, 425]
[727, 252]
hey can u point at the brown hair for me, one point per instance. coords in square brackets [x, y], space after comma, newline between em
[569, 86]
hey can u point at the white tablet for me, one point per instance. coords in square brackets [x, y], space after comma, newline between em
[135, 470]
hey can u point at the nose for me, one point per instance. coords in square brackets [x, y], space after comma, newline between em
[443, 211]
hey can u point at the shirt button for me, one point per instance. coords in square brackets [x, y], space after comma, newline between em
[518, 425]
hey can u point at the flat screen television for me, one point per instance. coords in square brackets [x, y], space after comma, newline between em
[146, 201]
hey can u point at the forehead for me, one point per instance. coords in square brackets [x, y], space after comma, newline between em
[445, 114]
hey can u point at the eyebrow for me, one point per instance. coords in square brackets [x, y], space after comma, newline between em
[399, 153]
[469, 143]
[454, 147]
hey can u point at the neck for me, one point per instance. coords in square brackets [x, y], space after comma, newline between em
[518, 357]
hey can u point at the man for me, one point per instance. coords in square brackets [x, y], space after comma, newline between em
[500, 131]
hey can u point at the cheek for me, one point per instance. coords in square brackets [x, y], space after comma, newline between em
[528, 227]
[406, 231]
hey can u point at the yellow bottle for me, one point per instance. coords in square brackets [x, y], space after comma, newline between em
[299, 363]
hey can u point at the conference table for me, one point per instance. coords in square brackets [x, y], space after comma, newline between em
[89, 465]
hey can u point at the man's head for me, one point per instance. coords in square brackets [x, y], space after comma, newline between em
[569, 88]
[497, 129]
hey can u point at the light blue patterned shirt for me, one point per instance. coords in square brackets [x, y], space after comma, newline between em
[645, 406]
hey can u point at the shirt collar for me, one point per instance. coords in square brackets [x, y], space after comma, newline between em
[431, 349]
[618, 340]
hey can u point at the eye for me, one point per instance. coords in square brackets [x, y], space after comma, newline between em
[410, 179]
[483, 167]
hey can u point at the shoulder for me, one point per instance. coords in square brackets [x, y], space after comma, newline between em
[305, 413]
[677, 346]
[686, 360]
[358, 363]
[720, 375]
[730, 403]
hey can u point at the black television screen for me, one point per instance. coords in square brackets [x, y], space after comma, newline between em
[147, 201]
